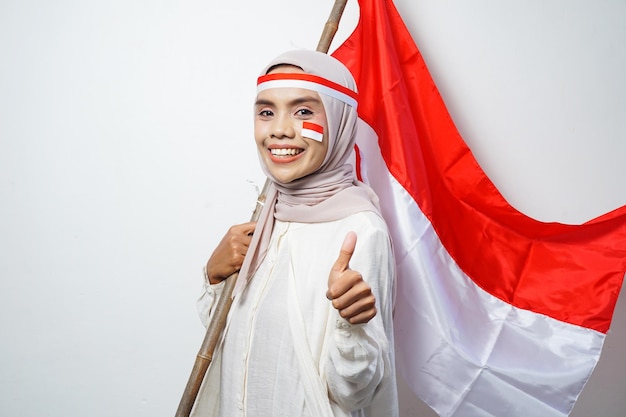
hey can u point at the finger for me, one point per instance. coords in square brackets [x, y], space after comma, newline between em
[245, 229]
[363, 317]
[244, 243]
[351, 295]
[345, 254]
[249, 228]
[360, 306]
[340, 283]
[241, 236]
[357, 306]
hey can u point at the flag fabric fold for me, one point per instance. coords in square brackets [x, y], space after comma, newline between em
[497, 313]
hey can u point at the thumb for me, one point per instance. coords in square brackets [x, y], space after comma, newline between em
[345, 254]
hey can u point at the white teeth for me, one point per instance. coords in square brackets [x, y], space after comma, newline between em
[285, 152]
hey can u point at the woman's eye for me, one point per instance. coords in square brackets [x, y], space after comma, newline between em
[265, 113]
[304, 112]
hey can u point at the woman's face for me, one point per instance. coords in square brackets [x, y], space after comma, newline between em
[279, 114]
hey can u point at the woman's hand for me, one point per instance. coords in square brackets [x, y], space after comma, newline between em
[347, 290]
[227, 257]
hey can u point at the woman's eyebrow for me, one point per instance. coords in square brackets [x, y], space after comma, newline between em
[294, 102]
[304, 100]
[263, 102]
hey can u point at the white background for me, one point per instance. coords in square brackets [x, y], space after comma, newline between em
[126, 152]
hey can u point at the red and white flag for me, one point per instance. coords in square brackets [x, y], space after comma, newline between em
[497, 314]
[312, 131]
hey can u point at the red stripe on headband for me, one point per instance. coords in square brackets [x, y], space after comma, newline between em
[308, 77]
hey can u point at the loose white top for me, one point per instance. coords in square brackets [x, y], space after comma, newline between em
[287, 352]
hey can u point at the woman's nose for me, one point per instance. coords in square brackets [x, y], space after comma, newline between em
[283, 128]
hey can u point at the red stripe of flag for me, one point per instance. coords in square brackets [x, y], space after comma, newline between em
[314, 127]
[572, 273]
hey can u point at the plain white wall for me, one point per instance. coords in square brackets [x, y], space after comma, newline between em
[126, 152]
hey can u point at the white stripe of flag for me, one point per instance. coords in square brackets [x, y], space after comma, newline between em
[457, 360]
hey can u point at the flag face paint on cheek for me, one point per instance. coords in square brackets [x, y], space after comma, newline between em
[312, 131]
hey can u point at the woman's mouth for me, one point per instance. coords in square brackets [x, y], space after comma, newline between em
[285, 151]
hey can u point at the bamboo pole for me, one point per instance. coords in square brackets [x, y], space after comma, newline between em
[330, 28]
[218, 321]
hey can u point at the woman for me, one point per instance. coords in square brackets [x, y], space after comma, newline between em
[310, 329]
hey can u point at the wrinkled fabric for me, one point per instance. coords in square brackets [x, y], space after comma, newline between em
[283, 316]
[497, 314]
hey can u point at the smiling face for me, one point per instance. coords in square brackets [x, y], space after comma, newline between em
[279, 114]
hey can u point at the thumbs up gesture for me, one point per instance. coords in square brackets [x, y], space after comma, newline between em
[347, 290]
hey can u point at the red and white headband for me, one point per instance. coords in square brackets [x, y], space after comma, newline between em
[309, 82]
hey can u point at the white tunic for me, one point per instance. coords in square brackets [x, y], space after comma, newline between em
[287, 352]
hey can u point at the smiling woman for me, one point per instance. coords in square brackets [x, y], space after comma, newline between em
[310, 330]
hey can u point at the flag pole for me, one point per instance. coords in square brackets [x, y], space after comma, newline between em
[330, 28]
[218, 321]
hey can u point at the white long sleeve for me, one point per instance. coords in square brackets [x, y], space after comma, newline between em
[208, 300]
[262, 364]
